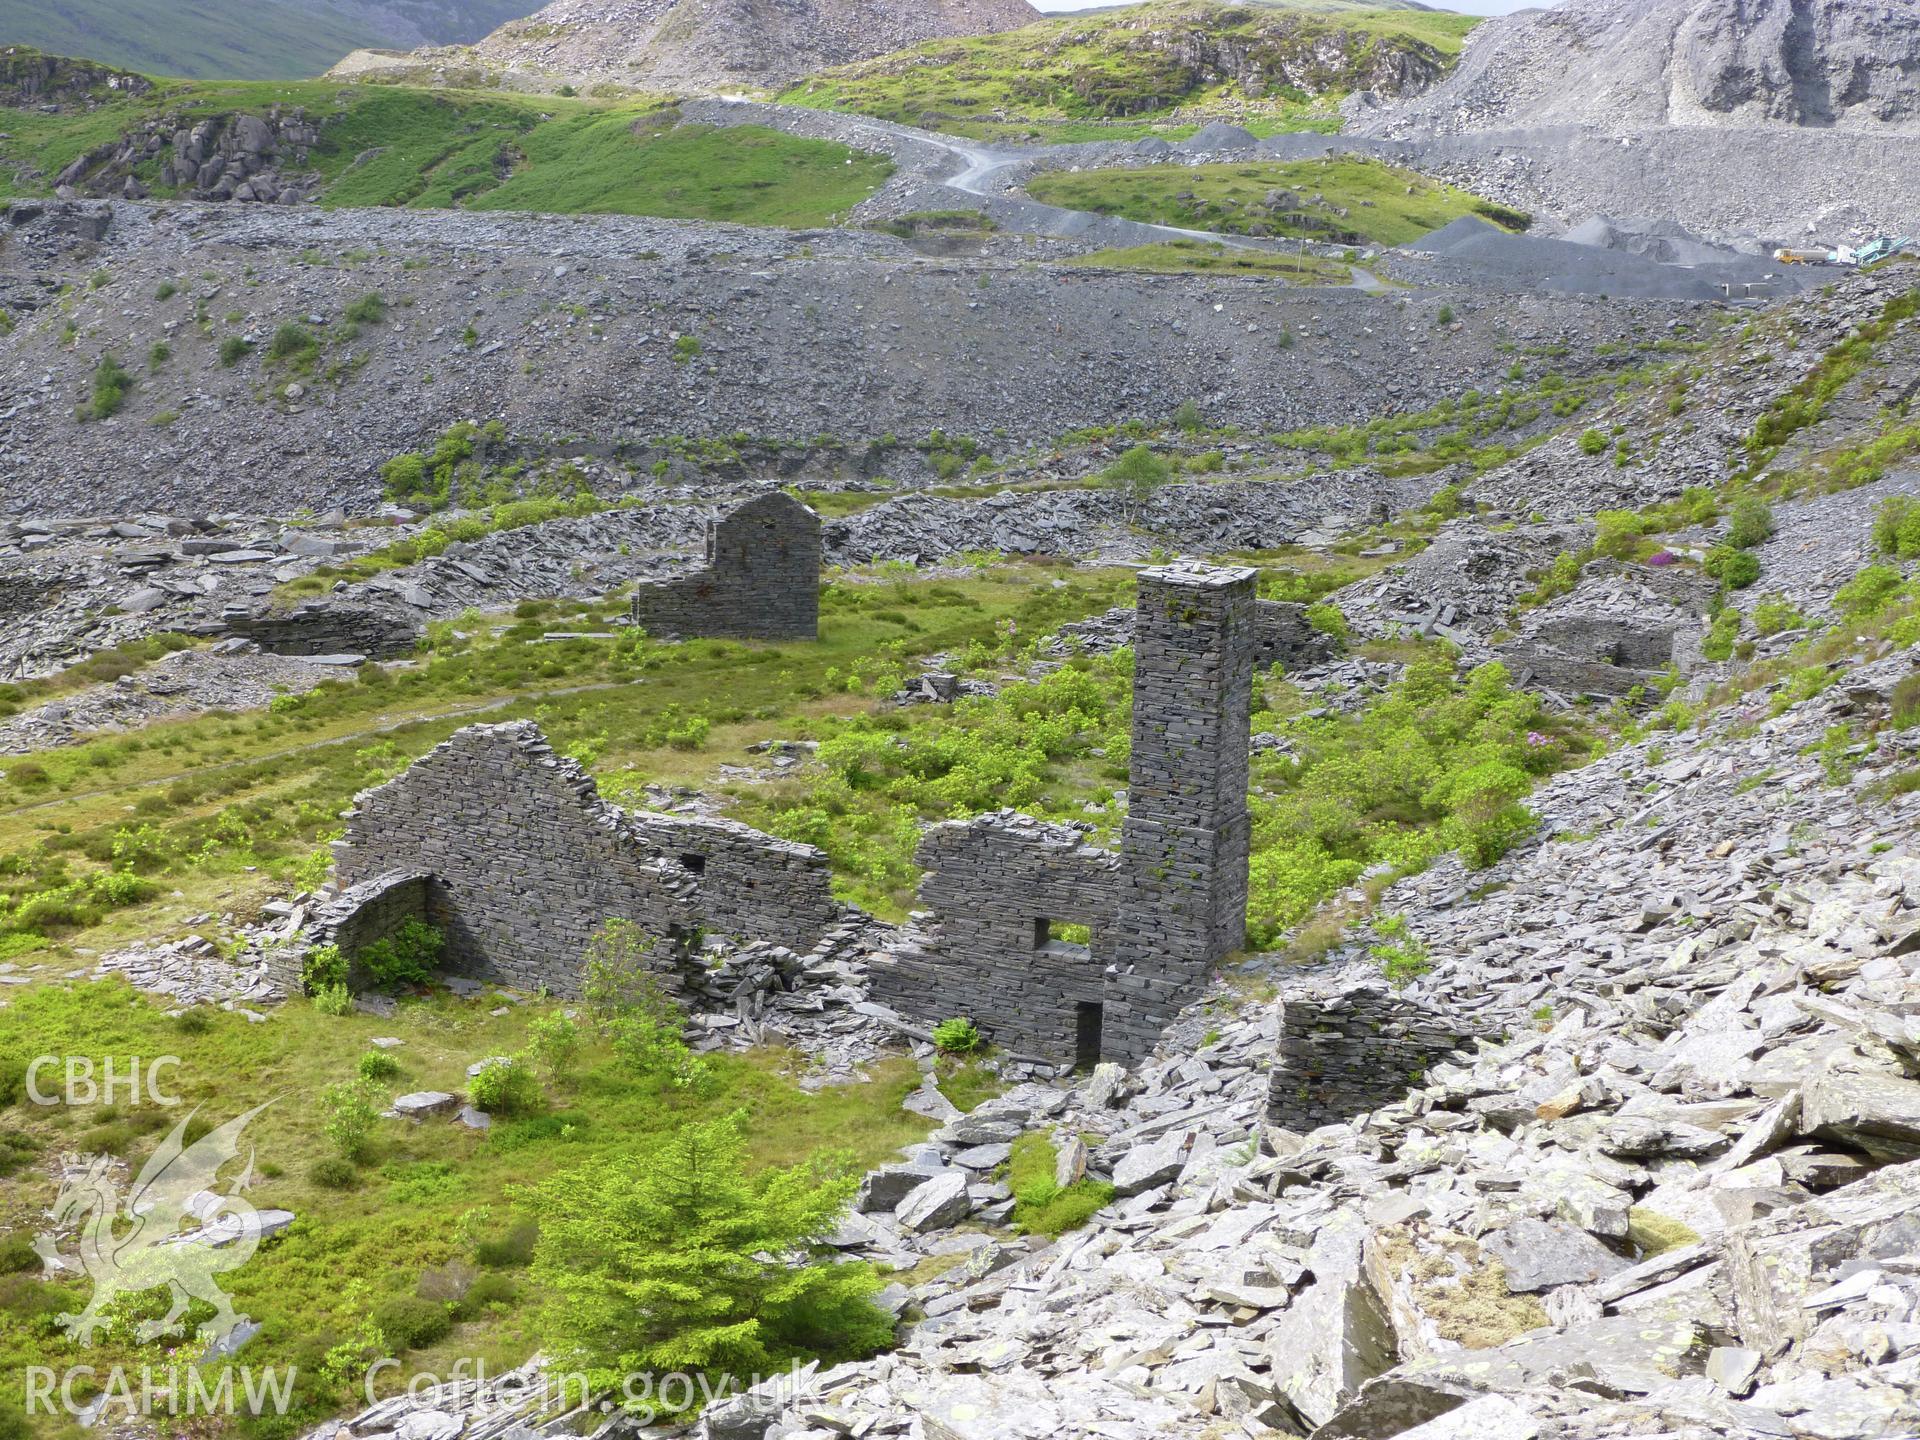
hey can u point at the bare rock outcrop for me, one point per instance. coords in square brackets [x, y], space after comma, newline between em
[712, 44]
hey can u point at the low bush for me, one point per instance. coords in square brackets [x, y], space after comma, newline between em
[407, 957]
[349, 1111]
[1736, 569]
[323, 969]
[334, 1000]
[1041, 1205]
[333, 1173]
[1750, 524]
[17, 1255]
[110, 387]
[511, 1250]
[409, 1322]
[378, 1065]
[503, 1087]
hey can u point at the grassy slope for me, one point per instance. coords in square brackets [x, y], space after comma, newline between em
[440, 149]
[1104, 77]
[1385, 205]
[254, 39]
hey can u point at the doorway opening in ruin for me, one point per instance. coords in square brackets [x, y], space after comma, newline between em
[1089, 1017]
[694, 864]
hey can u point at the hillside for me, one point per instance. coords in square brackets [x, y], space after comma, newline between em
[243, 39]
[1078, 76]
[1624, 64]
[703, 45]
[102, 133]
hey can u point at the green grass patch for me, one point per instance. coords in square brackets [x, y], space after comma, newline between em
[1040, 1205]
[1341, 199]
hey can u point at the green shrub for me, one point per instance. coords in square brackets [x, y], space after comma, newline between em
[1750, 524]
[158, 356]
[1736, 569]
[293, 345]
[367, 310]
[1619, 534]
[407, 957]
[669, 1254]
[333, 1173]
[110, 386]
[1188, 418]
[1137, 474]
[334, 1000]
[17, 1255]
[1868, 592]
[553, 1041]
[491, 1289]
[323, 969]
[625, 1002]
[1906, 702]
[349, 1111]
[378, 1065]
[1721, 635]
[410, 1323]
[1328, 620]
[233, 350]
[511, 1250]
[503, 1087]
[957, 1036]
[1896, 527]
[1775, 615]
[1592, 442]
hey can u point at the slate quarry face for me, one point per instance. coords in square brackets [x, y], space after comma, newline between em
[1161, 912]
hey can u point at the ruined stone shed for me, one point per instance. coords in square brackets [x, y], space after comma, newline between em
[760, 580]
[1162, 911]
[511, 852]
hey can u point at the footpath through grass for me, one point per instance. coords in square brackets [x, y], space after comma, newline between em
[1342, 199]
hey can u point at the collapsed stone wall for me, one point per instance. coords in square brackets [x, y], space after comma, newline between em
[761, 579]
[524, 862]
[750, 883]
[1162, 912]
[322, 627]
[1620, 628]
[999, 885]
[1284, 636]
[1348, 1049]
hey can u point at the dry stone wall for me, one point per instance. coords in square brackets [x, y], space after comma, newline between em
[320, 627]
[1349, 1049]
[1188, 832]
[524, 861]
[761, 580]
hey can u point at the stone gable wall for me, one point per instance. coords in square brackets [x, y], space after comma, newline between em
[525, 861]
[761, 580]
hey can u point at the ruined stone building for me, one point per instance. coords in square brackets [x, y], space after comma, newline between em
[1160, 913]
[511, 852]
[761, 579]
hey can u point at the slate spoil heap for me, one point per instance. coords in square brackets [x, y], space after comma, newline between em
[1680, 1197]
